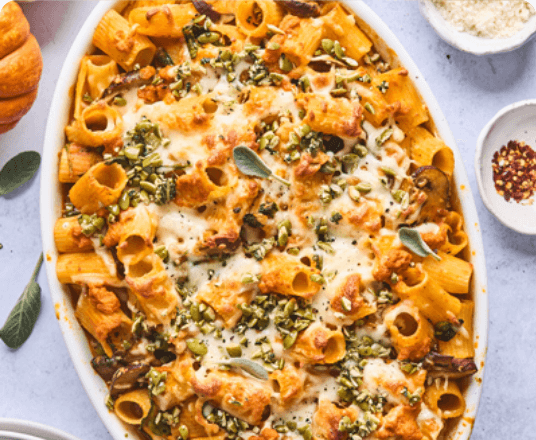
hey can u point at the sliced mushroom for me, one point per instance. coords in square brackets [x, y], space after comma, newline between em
[440, 365]
[105, 366]
[333, 143]
[127, 378]
[205, 9]
[124, 82]
[162, 58]
[301, 8]
[323, 63]
[435, 184]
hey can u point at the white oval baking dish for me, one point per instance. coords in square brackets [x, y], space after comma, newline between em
[50, 200]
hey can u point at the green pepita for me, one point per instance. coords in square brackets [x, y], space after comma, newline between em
[197, 347]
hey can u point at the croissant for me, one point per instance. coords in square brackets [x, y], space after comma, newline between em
[21, 65]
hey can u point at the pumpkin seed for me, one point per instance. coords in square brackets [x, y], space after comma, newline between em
[275, 29]
[290, 339]
[285, 64]
[208, 37]
[398, 195]
[361, 150]
[195, 313]
[338, 50]
[364, 187]
[327, 45]
[389, 171]
[338, 92]
[184, 432]
[124, 201]
[306, 432]
[209, 314]
[346, 304]
[354, 194]
[316, 278]
[382, 138]
[162, 252]
[350, 61]
[326, 247]
[234, 350]
[368, 107]
[197, 347]
[120, 101]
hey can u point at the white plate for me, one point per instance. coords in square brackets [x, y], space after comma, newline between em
[10, 435]
[13, 429]
[50, 201]
[514, 122]
[471, 43]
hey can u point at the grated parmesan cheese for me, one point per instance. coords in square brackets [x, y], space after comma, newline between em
[486, 18]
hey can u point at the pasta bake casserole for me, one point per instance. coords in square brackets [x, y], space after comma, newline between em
[258, 229]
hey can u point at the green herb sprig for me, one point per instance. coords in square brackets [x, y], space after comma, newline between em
[18, 170]
[249, 366]
[21, 320]
[411, 238]
[250, 164]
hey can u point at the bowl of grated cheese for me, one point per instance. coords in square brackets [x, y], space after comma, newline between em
[481, 27]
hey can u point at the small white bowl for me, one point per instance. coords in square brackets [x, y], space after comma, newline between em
[14, 429]
[470, 43]
[514, 122]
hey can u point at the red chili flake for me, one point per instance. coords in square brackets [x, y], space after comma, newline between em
[514, 171]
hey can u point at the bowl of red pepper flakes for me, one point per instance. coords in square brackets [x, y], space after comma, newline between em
[514, 172]
[505, 165]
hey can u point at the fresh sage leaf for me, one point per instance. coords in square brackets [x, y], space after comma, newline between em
[250, 164]
[21, 320]
[411, 238]
[253, 368]
[18, 170]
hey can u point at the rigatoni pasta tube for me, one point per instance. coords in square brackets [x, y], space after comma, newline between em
[451, 273]
[428, 296]
[133, 407]
[224, 297]
[456, 237]
[302, 39]
[100, 186]
[98, 323]
[98, 124]
[445, 399]
[75, 160]
[426, 149]
[254, 16]
[116, 38]
[153, 288]
[86, 268]
[177, 384]
[319, 345]
[69, 238]
[348, 300]
[412, 111]
[162, 21]
[410, 331]
[290, 383]
[335, 116]
[225, 389]
[96, 73]
[134, 233]
[341, 27]
[288, 276]
[461, 345]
